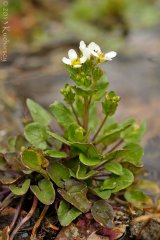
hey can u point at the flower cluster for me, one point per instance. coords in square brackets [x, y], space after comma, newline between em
[92, 50]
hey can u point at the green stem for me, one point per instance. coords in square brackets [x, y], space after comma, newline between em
[75, 114]
[99, 129]
[98, 167]
[86, 113]
[116, 145]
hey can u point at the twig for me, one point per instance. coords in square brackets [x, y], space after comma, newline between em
[37, 224]
[75, 114]
[6, 201]
[99, 129]
[16, 214]
[55, 228]
[26, 218]
[120, 201]
[146, 217]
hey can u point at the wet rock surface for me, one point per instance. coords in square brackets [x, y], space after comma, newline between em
[145, 231]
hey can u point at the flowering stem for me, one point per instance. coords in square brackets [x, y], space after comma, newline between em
[26, 218]
[37, 224]
[99, 167]
[86, 113]
[75, 114]
[99, 129]
[116, 145]
[102, 176]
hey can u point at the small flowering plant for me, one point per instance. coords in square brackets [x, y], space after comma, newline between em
[93, 164]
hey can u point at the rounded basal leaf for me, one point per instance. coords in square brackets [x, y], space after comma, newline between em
[123, 181]
[44, 191]
[104, 194]
[38, 113]
[117, 183]
[103, 213]
[137, 198]
[55, 154]
[109, 183]
[82, 173]
[75, 193]
[32, 159]
[88, 161]
[37, 135]
[58, 173]
[114, 167]
[67, 214]
[22, 189]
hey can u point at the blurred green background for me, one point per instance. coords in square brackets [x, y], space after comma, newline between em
[109, 22]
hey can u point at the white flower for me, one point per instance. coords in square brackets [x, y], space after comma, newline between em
[84, 50]
[73, 59]
[96, 51]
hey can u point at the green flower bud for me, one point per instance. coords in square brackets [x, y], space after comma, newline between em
[110, 103]
[79, 131]
[68, 94]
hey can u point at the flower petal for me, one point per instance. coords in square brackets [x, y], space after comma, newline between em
[66, 61]
[82, 46]
[94, 47]
[87, 53]
[95, 54]
[110, 55]
[83, 59]
[72, 54]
